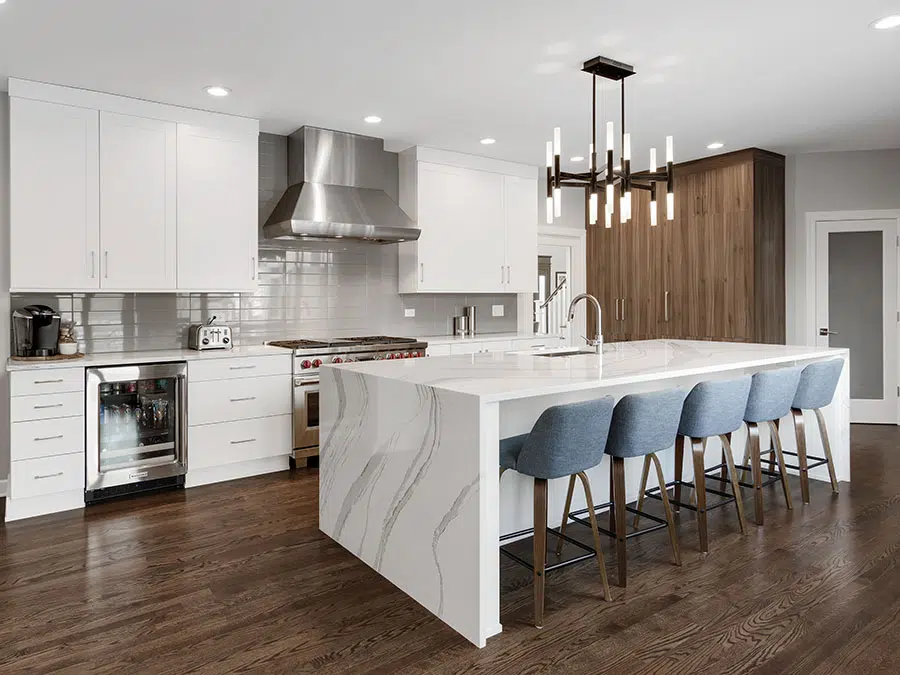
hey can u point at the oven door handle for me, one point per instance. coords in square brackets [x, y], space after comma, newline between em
[304, 383]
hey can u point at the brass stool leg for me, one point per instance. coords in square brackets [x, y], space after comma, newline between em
[679, 468]
[640, 501]
[756, 464]
[735, 486]
[565, 518]
[700, 490]
[785, 486]
[540, 548]
[618, 508]
[826, 445]
[670, 518]
[593, 517]
[800, 433]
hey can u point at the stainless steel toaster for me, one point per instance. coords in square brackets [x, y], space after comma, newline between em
[209, 336]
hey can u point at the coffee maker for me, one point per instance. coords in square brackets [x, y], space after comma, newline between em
[35, 331]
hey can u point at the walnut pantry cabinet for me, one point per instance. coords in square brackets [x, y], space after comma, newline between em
[111, 193]
[479, 224]
[715, 272]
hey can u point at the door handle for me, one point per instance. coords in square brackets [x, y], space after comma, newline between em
[93, 265]
[106, 264]
[48, 438]
[421, 271]
[617, 309]
[246, 440]
[49, 475]
[244, 398]
[825, 332]
[623, 309]
[253, 268]
[52, 405]
[48, 381]
[667, 306]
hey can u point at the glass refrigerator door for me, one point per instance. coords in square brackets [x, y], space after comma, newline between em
[138, 423]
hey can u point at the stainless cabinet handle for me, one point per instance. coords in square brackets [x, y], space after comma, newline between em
[667, 305]
[825, 332]
[52, 405]
[421, 271]
[106, 264]
[246, 440]
[617, 309]
[49, 475]
[48, 438]
[245, 398]
[253, 268]
[48, 381]
[502, 274]
[623, 309]
[93, 265]
[241, 367]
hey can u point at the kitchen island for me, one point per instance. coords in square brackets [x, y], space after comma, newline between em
[409, 454]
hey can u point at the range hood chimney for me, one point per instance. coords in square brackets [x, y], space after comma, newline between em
[337, 191]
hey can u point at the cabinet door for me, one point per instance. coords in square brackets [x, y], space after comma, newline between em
[636, 277]
[217, 210]
[54, 196]
[137, 203]
[463, 243]
[520, 200]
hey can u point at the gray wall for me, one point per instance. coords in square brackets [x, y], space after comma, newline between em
[830, 181]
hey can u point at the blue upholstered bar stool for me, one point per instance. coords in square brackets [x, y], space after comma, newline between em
[566, 441]
[771, 395]
[714, 408]
[642, 425]
[818, 382]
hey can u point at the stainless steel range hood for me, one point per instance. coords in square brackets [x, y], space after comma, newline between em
[336, 191]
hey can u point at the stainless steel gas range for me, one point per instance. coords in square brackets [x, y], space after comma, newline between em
[309, 355]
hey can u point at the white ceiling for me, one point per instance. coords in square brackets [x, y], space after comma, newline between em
[787, 75]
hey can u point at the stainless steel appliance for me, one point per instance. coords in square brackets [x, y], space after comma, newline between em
[136, 429]
[470, 317]
[209, 336]
[35, 331]
[337, 190]
[309, 355]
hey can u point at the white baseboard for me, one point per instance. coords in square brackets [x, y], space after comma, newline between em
[17, 509]
[224, 472]
[3, 487]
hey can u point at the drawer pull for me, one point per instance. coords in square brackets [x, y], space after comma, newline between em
[246, 440]
[243, 398]
[48, 438]
[52, 405]
[242, 367]
[49, 475]
[48, 381]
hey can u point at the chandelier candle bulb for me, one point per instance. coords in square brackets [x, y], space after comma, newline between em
[652, 160]
[608, 218]
[610, 143]
[549, 182]
[626, 147]
[557, 132]
[670, 206]
[670, 151]
[593, 208]
[557, 202]
[653, 218]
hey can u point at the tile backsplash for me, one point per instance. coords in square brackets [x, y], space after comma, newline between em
[322, 289]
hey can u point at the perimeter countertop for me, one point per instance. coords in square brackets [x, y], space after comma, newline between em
[156, 356]
[501, 376]
[484, 337]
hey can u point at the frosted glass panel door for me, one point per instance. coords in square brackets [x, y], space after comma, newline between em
[856, 308]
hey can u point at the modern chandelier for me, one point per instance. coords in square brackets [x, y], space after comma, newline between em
[609, 178]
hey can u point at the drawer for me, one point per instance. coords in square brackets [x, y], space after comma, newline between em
[466, 348]
[203, 370]
[239, 441]
[549, 342]
[46, 475]
[496, 346]
[46, 438]
[48, 381]
[46, 406]
[439, 350]
[225, 400]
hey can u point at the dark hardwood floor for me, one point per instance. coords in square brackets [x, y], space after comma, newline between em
[236, 578]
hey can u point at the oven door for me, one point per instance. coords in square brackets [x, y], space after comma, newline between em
[306, 412]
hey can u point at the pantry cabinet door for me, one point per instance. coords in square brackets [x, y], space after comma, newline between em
[137, 203]
[54, 197]
[520, 200]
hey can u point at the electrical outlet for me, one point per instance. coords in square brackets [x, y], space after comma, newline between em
[496, 310]
[409, 312]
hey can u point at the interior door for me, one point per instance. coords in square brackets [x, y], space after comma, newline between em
[856, 308]
[137, 203]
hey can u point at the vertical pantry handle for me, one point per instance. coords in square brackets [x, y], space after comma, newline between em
[421, 271]
[667, 305]
[106, 264]
[93, 265]
[623, 309]
[617, 309]
[253, 268]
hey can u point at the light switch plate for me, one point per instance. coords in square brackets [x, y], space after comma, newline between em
[409, 312]
[496, 310]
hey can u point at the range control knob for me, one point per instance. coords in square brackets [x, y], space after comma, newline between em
[317, 363]
[306, 363]
[388, 356]
[226, 340]
[405, 355]
[206, 341]
[337, 359]
[398, 355]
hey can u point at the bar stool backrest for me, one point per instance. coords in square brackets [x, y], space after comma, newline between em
[645, 423]
[818, 382]
[715, 407]
[567, 439]
[771, 394]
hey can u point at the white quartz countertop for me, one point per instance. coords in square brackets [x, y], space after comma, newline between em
[156, 356]
[507, 376]
[485, 337]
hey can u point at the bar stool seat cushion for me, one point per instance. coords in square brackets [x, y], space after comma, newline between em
[771, 394]
[566, 439]
[645, 423]
[715, 408]
[818, 382]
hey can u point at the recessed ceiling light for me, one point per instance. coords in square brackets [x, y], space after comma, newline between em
[372, 119]
[892, 21]
[715, 146]
[216, 90]
[579, 158]
[488, 141]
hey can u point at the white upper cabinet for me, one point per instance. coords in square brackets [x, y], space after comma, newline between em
[137, 203]
[118, 194]
[521, 233]
[217, 209]
[478, 219]
[54, 197]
